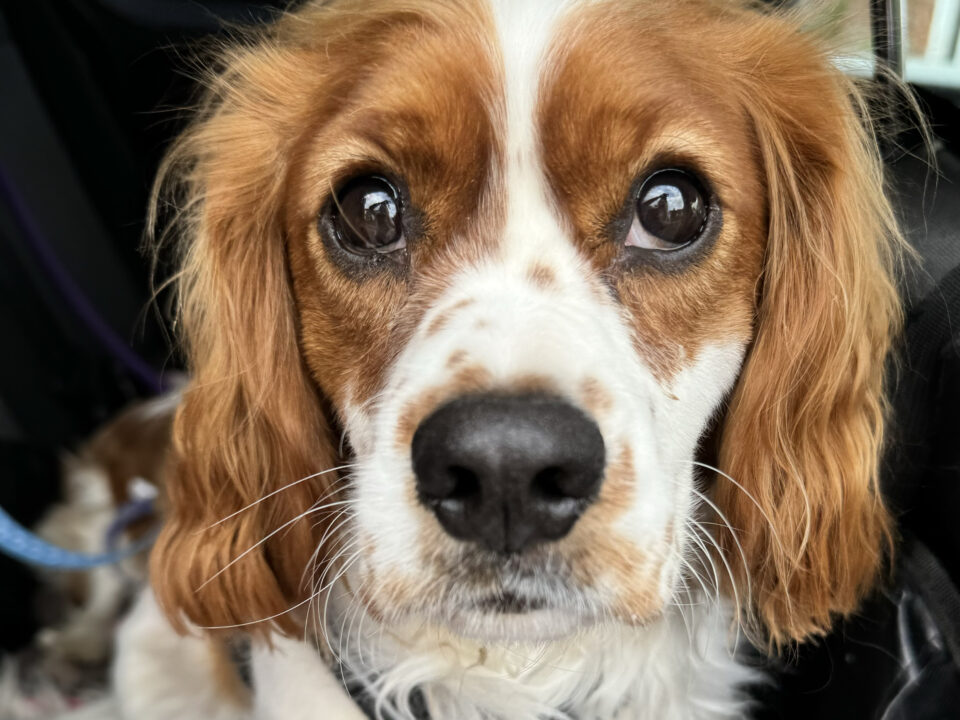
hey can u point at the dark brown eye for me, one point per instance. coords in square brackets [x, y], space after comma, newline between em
[367, 216]
[672, 211]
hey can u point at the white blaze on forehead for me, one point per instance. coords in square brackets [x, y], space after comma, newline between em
[525, 33]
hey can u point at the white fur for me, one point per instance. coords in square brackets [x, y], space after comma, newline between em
[293, 681]
[681, 667]
[159, 675]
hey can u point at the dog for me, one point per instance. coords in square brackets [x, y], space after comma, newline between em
[537, 365]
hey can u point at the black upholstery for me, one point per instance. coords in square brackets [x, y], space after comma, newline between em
[923, 474]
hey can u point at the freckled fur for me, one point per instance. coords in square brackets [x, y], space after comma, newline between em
[596, 400]
[542, 277]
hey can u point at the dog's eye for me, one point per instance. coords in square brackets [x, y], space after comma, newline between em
[672, 211]
[366, 215]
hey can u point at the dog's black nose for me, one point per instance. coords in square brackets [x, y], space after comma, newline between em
[508, 470]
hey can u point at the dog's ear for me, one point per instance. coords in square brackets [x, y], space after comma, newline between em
[250, 422]
[804, 429]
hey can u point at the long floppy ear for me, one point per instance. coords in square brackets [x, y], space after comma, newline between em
[805, 424]
[250, 422]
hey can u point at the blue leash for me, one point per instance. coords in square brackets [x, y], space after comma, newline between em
[21, 544]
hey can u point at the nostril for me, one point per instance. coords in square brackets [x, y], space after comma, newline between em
[464, 483]
[547, 483]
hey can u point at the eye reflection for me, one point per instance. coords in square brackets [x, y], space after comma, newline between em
[367, 216]
[671, 212]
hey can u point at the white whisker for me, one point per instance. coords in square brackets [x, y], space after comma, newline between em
[736, 540]
[260, 620]
[271, 494]
[267, 537]
[721, 473]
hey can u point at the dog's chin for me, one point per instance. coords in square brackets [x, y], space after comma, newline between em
[511, 625]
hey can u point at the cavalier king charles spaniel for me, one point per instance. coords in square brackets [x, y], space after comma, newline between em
[537, 365]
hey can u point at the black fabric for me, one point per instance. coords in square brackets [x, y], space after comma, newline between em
[927, 686]
[922, 473]
[895, 660]
[921, 477]
[921, 572]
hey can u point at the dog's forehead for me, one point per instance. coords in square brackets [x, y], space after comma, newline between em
[441, 75]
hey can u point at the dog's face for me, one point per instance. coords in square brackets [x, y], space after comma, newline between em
[526, 288]
[520, 254]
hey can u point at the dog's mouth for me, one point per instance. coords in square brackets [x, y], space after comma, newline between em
[517, 602]
[511, 617]
[510, 603]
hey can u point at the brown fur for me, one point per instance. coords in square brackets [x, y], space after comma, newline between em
[250, 176]
[804, 428]
[594, 398]
[542, 276]
[600, 134]
[280, 339]
[445, 316]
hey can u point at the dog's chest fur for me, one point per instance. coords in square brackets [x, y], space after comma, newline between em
[677, 668]
[681, 667]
